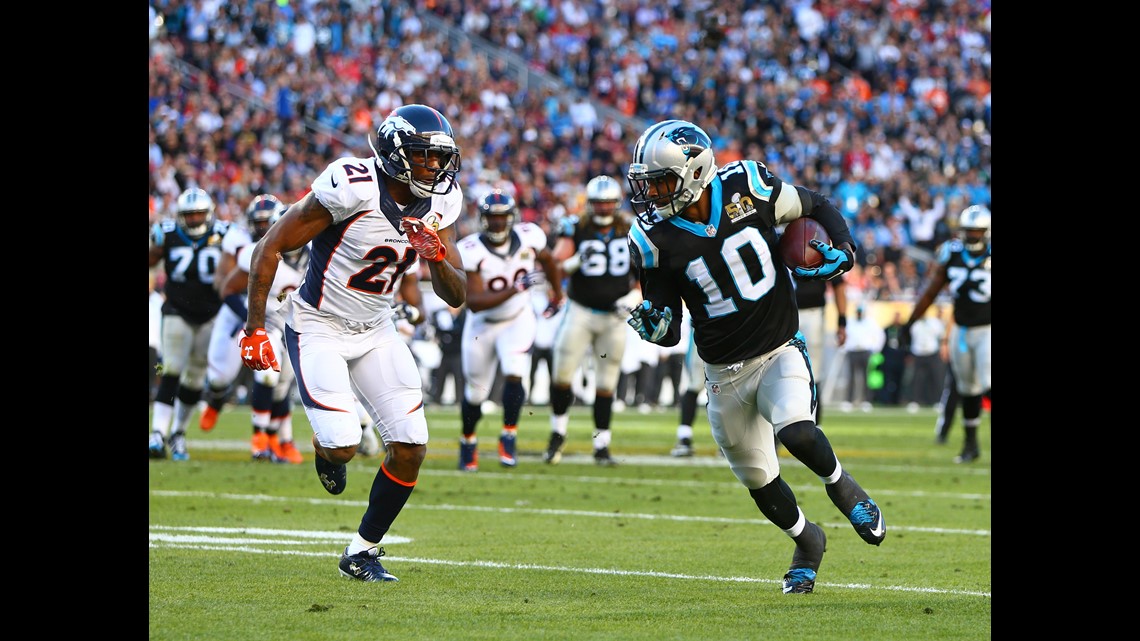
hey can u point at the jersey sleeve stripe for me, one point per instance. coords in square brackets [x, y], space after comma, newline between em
[646, 248]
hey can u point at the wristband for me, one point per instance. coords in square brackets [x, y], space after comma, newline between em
[842, 322]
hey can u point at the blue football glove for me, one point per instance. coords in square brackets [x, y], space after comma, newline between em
[835, 262]
[651, 324]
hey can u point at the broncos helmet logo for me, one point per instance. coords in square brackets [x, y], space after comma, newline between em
[395, 123]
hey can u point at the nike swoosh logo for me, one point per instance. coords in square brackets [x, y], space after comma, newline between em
[332, 179]
[877, 531]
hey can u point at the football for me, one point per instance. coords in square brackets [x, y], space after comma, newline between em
[795, 246]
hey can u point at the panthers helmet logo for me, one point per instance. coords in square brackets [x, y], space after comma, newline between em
[691, 140]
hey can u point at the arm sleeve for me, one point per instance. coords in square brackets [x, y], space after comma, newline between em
[817, 206]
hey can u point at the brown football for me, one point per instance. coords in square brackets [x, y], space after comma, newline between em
[795, 246]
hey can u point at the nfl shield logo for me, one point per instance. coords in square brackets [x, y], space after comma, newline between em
[715, 388]
[710, 231]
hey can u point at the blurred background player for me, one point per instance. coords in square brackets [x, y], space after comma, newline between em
[692, 383]
[500, 261]
[223, 361]
[964, 265]
[190, 250]
[594, 252]
[271, 400]
[811, 299]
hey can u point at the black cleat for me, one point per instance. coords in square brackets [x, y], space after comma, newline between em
[365, 566]
[553, 453]
[333, 477]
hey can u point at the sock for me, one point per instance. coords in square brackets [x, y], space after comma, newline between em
[359, 545]
[385, 500]
[601, 439]
[685, 434]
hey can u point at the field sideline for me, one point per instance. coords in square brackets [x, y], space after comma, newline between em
[655, 548]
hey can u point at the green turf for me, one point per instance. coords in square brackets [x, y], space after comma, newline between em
[655, 548]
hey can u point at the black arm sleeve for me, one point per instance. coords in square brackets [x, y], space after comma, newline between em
[817, 206]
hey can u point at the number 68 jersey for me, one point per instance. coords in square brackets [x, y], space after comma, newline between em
[728, 271]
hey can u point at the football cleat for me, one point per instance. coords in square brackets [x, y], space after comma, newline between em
[684, 447]
[365, 566]
[157, 445]
[507, 450]
[602, 457]
[259, 448]
[468, 456]
[178, 447]
[810, 546]
[288, 453]
[208, 419]
[799, 581]
[553, 453]
[868, 521]
[333, 477]
[968, 455]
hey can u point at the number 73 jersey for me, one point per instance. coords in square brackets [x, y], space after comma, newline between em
[728, 271]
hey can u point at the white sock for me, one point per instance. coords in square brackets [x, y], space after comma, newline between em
[559, 423]
[359, 544]
[602, 439]
[801, 523]
[684, 431]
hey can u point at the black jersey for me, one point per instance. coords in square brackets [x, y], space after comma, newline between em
[969, 277]
[190, 267]
[729, 272]
[604, 274]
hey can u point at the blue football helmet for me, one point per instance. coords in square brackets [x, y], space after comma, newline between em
[504, 209]
[405, 140]
[261, 214]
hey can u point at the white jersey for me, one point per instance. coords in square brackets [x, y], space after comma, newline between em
[501, 267]
[236, 237]
[356, 263]
[290, 274]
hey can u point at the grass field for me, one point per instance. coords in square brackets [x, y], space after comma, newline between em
[655, 548]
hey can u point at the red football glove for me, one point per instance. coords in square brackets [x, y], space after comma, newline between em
[423, 239]
[256, 350]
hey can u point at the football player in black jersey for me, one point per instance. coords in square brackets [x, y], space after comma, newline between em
[594, 253]
[190, 248]
[964, 265]
[706, 236]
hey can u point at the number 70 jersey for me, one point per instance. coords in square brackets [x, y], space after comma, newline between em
[356, 263]
[728, 271]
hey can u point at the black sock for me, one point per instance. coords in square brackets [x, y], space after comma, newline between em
[385, 501]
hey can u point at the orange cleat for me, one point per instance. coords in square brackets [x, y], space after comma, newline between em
[289, 453]
[208, 419]
[259, 447]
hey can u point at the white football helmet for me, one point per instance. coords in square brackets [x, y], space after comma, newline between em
[675, 158]
[195, 201]
[974, 221]
[603, 200]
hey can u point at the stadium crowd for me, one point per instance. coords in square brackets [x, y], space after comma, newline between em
[884, 105]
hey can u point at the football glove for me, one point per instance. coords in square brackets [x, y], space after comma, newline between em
[551, 309]
[650, 323]
[835, 262]
[410, 313]
[530, 279]
[257, 352]
[423, 239]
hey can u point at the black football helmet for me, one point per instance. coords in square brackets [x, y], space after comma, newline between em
[503, 207]
[260, 214]
[405, 140]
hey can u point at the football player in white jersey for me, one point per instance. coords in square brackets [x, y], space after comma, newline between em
[271, 400]
[223, 361]
[500, 262]
[369, 220]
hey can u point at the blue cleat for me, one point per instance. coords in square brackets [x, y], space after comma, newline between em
[507, 450]
[178, 447]
[365, 566]
[468, 456]
[868, 522]
[810, 546]
[157, 445]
